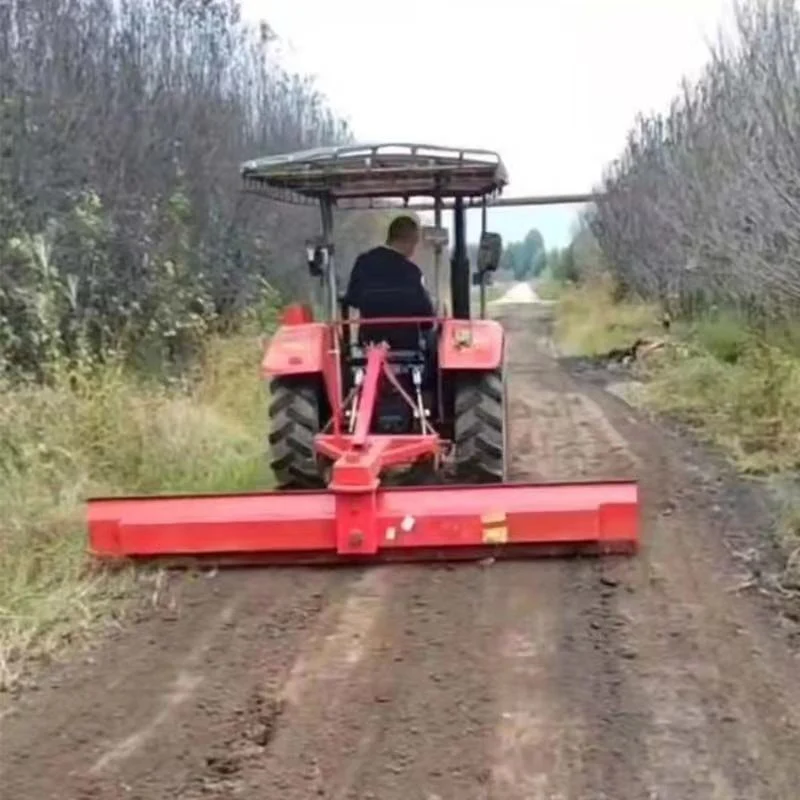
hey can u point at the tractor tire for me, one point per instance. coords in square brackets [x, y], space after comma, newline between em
[294, 421]
[481, 428]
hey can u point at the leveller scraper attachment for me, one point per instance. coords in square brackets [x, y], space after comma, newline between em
[349, 408]
[413, 523]
[356, 519]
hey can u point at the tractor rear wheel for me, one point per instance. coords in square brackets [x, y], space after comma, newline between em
[294, 421]
[481, 427]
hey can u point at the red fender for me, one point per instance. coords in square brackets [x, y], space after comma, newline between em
[471, 344]
[300, 349]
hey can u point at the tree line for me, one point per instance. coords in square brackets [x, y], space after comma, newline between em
[122, 127]
[703, 206]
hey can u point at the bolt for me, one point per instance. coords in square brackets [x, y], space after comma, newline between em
[356, 538]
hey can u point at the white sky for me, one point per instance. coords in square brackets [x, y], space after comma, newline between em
[552, 85]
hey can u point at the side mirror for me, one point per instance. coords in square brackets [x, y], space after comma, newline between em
[482, 278]
[489, 251]
[317, 257]
[436, 236]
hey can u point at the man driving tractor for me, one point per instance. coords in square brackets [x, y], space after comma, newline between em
[385, 282]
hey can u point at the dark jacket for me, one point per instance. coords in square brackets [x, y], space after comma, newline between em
[384, 283]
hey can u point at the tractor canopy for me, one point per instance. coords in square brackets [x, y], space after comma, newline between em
[348, 173]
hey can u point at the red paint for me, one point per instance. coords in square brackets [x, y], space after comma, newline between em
[376, 361]
[304, 527]
[463, 344]
[296, 349]
[471, 344]
[297, 314]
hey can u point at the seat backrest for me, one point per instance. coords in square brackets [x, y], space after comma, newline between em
[377, 303]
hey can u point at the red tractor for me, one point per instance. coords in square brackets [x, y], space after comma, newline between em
[432, 407]
[350, 416]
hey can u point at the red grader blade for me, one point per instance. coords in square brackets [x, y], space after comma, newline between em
[331, 419]
[358, 519]
[413, 523]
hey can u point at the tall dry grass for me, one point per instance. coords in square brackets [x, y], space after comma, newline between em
[106, 431]
[590, 322]
[736, 387]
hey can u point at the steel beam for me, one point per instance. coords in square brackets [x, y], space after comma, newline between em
[507, 202]
[440, 522]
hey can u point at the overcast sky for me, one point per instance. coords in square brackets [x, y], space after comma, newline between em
[553, 85]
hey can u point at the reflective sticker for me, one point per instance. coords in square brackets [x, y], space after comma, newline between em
[495, 535]
[495, 529]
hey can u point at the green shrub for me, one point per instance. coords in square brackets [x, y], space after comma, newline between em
[724, 335]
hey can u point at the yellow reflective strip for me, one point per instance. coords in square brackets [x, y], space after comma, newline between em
[497, 535]
[495, 530]
[494, 518]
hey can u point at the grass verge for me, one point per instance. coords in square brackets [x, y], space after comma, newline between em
[589, 322]
[735, 388]
[104, 431]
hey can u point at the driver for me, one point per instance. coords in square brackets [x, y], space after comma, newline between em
[384, 282]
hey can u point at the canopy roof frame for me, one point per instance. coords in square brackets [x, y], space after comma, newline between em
[347, 174]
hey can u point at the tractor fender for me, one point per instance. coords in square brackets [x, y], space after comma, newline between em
[471, 344]
[298, 349]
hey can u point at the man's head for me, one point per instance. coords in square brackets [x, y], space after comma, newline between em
[403, 235]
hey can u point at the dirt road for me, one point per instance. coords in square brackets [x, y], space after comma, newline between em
[651, 678]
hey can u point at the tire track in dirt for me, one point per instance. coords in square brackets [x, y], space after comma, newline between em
[143, 716]
[331, 650]
[715, 692]
[668, 685]
[409, 718]
[721, 687]
[569, 718]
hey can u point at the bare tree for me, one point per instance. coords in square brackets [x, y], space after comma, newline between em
[703, 206]
[122, 127]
